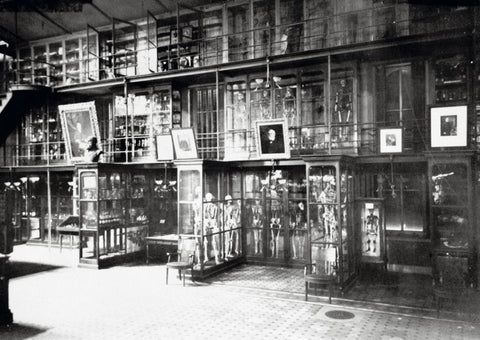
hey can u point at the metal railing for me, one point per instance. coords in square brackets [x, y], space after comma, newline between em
[376, 23]
[235, 145]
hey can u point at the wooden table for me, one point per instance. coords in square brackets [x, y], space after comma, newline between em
[167, 240]
[67, 231]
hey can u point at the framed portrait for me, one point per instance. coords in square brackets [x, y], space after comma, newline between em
[448, 126]
[272, 139]
[187, 33]
[391, 140]
[164, 148]
[184, 143]
[79, 123]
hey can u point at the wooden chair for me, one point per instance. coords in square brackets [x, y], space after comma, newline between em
[181, 265]
[317, 276]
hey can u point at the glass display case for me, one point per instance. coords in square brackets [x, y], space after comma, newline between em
[275, 221]
[330, 218]
[209, 215]
[112, 229]
[370, 222]
[451, 214]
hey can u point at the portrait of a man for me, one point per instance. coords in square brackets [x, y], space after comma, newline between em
[272, 139]
[79, 122]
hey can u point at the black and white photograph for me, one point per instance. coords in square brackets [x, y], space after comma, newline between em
[448, 126]
[239, 169]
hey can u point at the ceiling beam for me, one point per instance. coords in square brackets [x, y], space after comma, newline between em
[43, 15]
[162, 5]
[99, 10]
[9, 36]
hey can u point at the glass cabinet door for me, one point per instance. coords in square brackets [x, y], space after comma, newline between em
[72, 61]
[330, 216]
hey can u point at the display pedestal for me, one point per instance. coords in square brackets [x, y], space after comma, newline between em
[6, 316]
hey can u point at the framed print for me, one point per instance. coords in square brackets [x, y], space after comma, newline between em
[79, 123]
[448, 126]
[164, 148]
[184, 143]
[391, 140]
[272, 139]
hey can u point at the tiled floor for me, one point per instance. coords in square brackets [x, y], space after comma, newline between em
[404, 293]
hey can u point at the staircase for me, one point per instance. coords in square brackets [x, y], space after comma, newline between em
[4, 100]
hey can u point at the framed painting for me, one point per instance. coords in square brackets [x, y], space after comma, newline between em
[79, 124]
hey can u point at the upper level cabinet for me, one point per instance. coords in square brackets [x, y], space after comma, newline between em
[40, 65]
[148, 113]
[124, 48]
[450, 79]
[178, 41]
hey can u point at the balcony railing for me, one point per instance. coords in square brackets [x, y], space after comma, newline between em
[238, 145]
[376, 23]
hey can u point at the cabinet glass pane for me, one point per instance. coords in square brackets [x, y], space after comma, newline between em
[323, 204]
[89, 215]
[40, 65]
[236, 121]
[88, 185]
[55, 59]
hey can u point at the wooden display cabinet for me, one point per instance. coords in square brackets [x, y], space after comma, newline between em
[109, 234]
[451, 215]
[330, 216]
